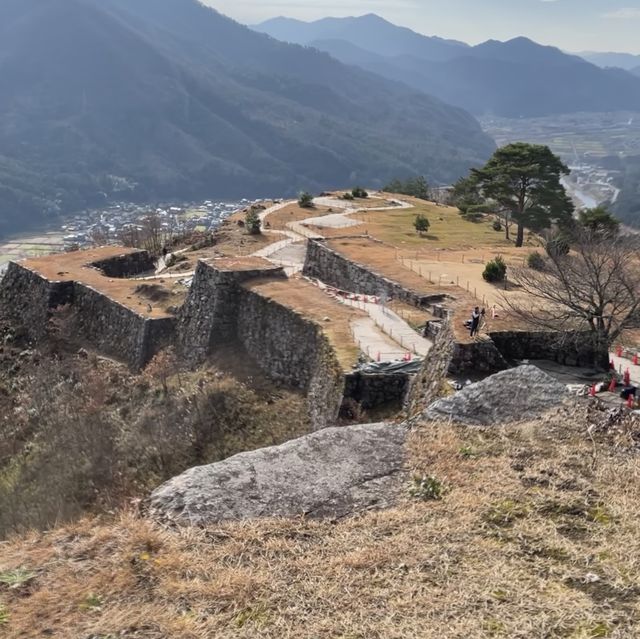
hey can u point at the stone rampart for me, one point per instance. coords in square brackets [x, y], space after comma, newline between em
[209, 315]
[26, 298]
[371, 390]
[293, 350]
[116, 330]
[334, 269]
[126, 265]
[569, 349]
[481, 356]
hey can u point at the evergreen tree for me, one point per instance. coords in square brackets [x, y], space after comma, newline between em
[524, 180]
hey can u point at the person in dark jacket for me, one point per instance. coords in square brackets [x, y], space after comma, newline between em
[475, 321]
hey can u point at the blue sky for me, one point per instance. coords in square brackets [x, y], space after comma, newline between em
[576, 25]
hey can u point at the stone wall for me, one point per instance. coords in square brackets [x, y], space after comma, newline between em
[209, 314]
[334, 269]
[26, 298]
[116, 330]
[371, 391]
[293, 350]
[569, 349]
[126, 265]
[481, 356]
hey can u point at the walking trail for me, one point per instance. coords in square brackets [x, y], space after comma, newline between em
[383, 336]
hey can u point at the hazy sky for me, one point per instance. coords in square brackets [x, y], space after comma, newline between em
[576, 25]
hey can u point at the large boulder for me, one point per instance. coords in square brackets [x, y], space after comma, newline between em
[513, 395]
[331, 473]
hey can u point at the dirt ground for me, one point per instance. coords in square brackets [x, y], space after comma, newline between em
[293, 213]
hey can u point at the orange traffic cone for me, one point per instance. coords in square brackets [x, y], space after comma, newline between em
[627, 378]
[634, 360]
[592, 391]
[619, 351]
[613, 385]
[630, 401]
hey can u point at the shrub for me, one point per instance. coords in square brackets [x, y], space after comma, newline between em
[305, 200]
[348, 196]
[253, 222]
[474, 213]
[536, 261]
[415, 186]
[359, 192]
[427, 488]
[497, 226]
[557, 246]
[495, 270]
[421, 224]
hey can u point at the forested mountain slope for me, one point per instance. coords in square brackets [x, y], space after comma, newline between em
[147, 99]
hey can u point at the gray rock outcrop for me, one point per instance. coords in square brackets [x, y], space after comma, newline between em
[513, 395]
[332, 473]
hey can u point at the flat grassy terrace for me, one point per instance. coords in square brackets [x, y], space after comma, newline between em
[449, 230]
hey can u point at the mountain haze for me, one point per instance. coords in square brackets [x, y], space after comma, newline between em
[390, 40]
[626, 61]
[151, 99]
[518, 78]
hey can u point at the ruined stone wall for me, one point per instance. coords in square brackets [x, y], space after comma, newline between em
[293, 350]
[336, 270]
[569, 349]
[126, 265]
[371, 391]
[481, 356]
[209, 314]
[116, 330]
[26, 298]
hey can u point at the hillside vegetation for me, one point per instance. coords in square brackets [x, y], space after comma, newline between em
[168, 99]
[81, 434]
[536, 536]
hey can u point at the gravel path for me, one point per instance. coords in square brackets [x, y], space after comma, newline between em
[395, 327]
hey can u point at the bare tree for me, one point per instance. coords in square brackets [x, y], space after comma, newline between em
[592, 289]
[149, 235]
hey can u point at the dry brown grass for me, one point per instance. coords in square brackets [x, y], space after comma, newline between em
[537, 537]
[73, 267]
[232, 239]
[294, 213]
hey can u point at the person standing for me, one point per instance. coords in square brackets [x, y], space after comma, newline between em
[475, 321]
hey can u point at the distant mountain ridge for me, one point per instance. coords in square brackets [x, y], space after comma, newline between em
[626, 61]
[163, 99]
[517, 78]
[390, 40]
